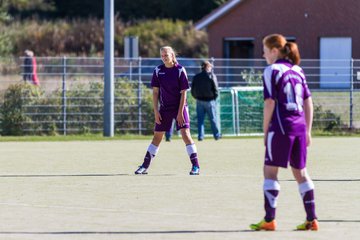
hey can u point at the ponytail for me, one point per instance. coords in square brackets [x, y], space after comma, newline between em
[291, 52]
[288, 50]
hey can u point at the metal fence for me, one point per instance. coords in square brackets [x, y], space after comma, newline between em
[70, 96]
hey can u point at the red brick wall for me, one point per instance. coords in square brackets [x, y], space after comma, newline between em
[257, 18]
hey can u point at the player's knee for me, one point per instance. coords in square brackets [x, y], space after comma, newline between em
[186, 137]
[300, 175]
[157, 139]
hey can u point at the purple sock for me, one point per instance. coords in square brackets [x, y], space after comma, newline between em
[309, 205]
[147, 160]
[271, 191]
[192, 152]
[306, 190]
[194, 159]
[150, 154]
[270, 204]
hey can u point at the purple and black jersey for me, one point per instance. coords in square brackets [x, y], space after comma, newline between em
[170, 81]
[286, 84]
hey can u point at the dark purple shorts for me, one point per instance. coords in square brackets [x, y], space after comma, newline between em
[282, 149]
[167, 119]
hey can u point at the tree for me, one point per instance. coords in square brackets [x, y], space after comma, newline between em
[79, 8]
[19, 7]
[191, 9]
[4, 16]
[130, 10]
[174, 9]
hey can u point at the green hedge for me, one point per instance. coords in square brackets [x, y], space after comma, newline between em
[85, 37]
[12, 111]
[28, 110]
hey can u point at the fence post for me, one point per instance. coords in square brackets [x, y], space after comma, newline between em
[351, 92]
[212, 61]
[139, 97]
[64, 102]
[108, 116]
[130, 69]
[218, 111]
[236, 120]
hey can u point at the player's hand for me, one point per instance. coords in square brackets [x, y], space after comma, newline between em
[180, 119]
[308, 139]
[158, 117]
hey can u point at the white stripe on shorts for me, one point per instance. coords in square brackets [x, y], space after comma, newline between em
[268, 144]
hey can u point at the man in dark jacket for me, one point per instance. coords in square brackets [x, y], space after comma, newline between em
[28, 66]
[204, 89]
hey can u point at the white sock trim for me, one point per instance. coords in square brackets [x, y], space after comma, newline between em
[152, 149]
[270, 184]
[306, 186]
[191, 148]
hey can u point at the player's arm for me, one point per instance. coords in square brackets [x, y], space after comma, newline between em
[215, 85]
[269, 106]
[309, 112]
[180, 116]
[156, 105]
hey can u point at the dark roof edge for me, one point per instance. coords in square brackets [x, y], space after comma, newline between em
[217, 13]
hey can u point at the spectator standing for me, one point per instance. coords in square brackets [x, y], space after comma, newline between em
[30, 68]
[204, 89]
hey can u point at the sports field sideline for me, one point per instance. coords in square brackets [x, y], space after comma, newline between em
[87, 190]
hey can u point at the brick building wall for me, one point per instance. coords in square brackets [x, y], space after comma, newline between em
[305, 20]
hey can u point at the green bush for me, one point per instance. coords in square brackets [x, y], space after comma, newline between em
[86, 37]
[252, 77]
[28, 110]
[326, 120]
[61, 37]
[127, 107]
[12, 111]
[6, 44]
[182, 36]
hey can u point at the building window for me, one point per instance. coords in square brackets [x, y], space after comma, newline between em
[291, 39]
[238, 48]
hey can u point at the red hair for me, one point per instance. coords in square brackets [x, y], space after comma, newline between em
[288, 50]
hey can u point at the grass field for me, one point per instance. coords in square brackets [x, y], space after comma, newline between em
[87, 190]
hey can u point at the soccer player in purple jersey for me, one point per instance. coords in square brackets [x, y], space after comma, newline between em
[288, 114]
[170, 83]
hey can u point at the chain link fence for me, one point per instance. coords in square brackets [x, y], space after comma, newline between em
[69, 99]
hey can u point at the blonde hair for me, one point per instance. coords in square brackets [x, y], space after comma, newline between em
[171, 50]
[288, 50]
